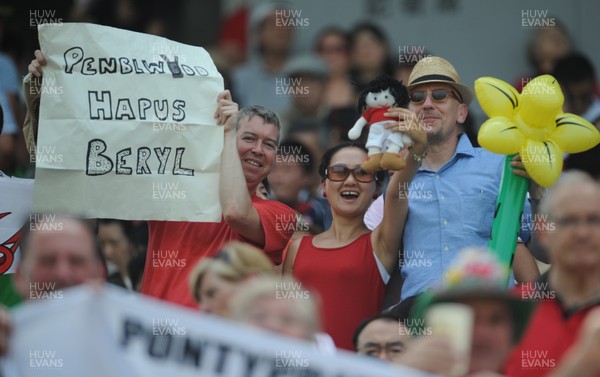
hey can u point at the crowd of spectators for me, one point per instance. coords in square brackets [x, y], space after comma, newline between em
[373, 253]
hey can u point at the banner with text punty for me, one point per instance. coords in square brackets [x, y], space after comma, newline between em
[111, 332]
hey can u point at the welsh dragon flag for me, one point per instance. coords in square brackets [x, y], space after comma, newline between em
[16, 197]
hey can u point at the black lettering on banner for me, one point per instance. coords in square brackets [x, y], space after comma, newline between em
[100, 104]
[156, 67]
[121, 168]
[142, 163]
[137, 69]
[72, 56]
[87, 68]
[224, 350]
[163, 156]
[75, 56]
[131, 329]
[144, 104]
[96, 162]
[100, 107]
[188, 70]
[107, 65]
[163, 346]
[251, 362]
[192, 352]
[160, 346]
[161, 112]
[124, 110]
[201, 71]
[177, 169]
[179, 113]
[125, 65]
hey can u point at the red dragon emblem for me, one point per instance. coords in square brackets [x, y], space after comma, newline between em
[8, 248]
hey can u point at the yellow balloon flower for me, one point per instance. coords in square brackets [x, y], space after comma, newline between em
[532, 124]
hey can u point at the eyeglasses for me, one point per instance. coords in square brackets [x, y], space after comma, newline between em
[437, 95]
[339, 173]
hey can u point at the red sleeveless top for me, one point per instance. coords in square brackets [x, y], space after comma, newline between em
[348, 282]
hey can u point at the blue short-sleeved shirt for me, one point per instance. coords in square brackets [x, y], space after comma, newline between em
[449, 210]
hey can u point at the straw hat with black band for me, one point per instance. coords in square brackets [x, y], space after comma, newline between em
[434, 69]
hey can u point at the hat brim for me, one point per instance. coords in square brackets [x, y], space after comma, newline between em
[520, 308]
[464, 91]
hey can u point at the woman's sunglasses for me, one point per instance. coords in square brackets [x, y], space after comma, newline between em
[339, 173]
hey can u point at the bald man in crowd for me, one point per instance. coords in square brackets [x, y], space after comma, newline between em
[570, 291]
[57, 252]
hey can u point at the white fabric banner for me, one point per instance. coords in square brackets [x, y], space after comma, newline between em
[126, 126]
[16, 195]
[115, 333]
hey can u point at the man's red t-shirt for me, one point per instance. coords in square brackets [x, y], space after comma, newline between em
[550, 333]
[174, 248]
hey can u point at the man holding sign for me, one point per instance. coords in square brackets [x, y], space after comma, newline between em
[250, 146]
[251, 137]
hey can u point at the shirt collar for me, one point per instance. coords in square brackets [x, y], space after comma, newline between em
[464, 146]
[566, 311]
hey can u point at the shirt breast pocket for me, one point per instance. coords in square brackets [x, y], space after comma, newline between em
[478, 212]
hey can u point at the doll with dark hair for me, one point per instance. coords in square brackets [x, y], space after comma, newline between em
[374, 101]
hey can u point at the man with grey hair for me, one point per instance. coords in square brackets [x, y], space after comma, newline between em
[250, 146]
[174, 247]
[570, 291]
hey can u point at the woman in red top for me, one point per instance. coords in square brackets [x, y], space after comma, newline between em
[348, 265]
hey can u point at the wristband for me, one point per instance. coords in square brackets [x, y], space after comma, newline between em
[416, 157]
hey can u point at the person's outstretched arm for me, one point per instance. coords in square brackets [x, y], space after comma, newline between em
[235, 199]
[387, 237]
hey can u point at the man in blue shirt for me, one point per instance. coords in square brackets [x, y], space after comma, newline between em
[453, 196]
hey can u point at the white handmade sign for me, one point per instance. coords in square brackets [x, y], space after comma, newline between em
[126, 126]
